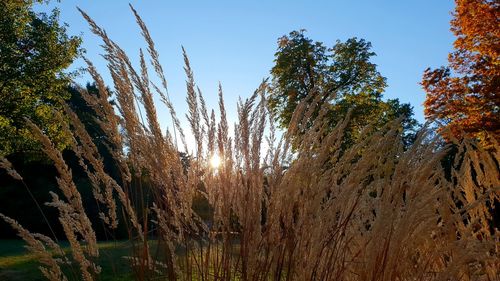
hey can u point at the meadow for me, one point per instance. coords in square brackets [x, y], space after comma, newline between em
[17, 263]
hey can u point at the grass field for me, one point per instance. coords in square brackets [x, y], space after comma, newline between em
[17, 264]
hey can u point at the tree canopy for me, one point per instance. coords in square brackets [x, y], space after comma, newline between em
[35, 52]
[464, 97]
[343, 76]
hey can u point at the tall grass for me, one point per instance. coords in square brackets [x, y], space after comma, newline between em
[319, 211]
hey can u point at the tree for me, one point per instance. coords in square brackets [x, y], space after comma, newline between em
[344, 78]
[300, 67]
[35, 51]
[90, 119]
[464, 98]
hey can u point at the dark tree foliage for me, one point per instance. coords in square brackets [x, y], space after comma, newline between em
[345, 79]
[40, 177]
[35, 51]
[90, 119]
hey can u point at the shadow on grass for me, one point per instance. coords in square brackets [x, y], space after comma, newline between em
[17, 264]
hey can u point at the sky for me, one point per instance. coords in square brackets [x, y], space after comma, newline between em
[233, 42]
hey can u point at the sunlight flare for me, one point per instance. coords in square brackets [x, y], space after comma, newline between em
[215, 161]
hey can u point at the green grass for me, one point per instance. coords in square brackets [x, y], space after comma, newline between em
[17, 264]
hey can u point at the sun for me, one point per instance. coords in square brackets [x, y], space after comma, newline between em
[215, 161]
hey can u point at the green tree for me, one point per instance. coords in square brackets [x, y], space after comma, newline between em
[344, 78]
[35, 51]
[300, 67]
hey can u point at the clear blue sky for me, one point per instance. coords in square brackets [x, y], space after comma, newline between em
[234, 41]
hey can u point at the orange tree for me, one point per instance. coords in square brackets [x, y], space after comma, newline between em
[465, 96]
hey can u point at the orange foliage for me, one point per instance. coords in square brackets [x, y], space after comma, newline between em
[465, 96]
